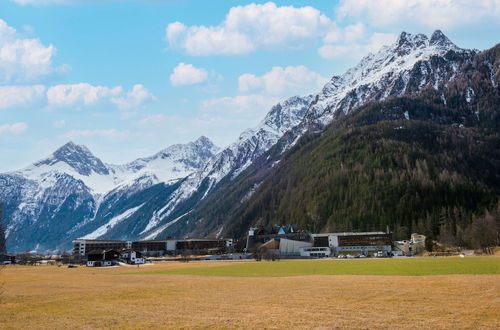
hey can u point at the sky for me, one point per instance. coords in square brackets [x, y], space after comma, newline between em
[129, 78]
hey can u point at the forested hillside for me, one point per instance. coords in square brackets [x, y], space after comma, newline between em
[414, 164]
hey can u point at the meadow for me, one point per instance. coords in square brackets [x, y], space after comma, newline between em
[398, 267]
[464, 293]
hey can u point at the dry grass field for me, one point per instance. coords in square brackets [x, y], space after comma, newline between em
[84, 298]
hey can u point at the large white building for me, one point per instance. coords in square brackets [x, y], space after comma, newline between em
[357, 243]
[322, 245]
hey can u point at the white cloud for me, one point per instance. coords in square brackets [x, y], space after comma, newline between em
[357, 49]
[187, 74]
[111, 133]
[347, 34]
[428, 13]
[283, 81]
[74, 95]
[247, 28]
[134, 98]
[17, 96]
[16, 128]
[79, 94]
[23, 60]
[242, 104]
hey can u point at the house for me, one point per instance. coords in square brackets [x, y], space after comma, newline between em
[102, 258]
[7, 259]
[131, 257]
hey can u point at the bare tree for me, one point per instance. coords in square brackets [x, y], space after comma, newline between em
[484, 232]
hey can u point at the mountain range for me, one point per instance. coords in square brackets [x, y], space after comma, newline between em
[404, 138]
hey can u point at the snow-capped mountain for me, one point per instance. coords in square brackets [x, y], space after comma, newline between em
[54, 197]
[161, 195]
[411, 64]
[231, 161]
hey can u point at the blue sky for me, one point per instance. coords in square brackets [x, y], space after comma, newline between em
[128, 78]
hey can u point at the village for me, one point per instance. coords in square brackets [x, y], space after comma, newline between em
[271, 242]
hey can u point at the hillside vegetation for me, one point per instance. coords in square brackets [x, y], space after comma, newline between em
[413, 164]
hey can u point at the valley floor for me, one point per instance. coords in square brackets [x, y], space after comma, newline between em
[168, 295]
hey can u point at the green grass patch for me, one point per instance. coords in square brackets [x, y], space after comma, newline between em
[404, 267]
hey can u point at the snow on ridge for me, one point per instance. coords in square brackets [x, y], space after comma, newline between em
[112, 223]
[239, 155]
[158, 230]
[45, 176]
[378, 72]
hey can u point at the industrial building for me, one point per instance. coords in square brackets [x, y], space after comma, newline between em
[365, 243]
[288, 242]
[260, 235]
[82, 247]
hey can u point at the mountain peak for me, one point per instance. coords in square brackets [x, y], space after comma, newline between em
[78, 157]
[438, 38]
[407, 42]
[204, 141]
[406, 37]
[176, 160]
[71, 147]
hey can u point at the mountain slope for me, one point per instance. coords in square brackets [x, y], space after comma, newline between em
[231, 161]
[72, 193]
[395, 161]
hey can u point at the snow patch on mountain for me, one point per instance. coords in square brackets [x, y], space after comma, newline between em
[251, 144]
[112, 223]
[160, 229]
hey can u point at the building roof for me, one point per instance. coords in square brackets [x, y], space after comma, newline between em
[350, 233]
[98, 241]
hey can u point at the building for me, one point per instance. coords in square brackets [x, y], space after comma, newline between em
[288, 247]
[415, 245]
[366, 243]
[7, 259]
[315, 252]
[293, 242]
[202, 245]
[151, 247]
[102, 258]
[131, 257]
[259, 235]
[82, 247]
